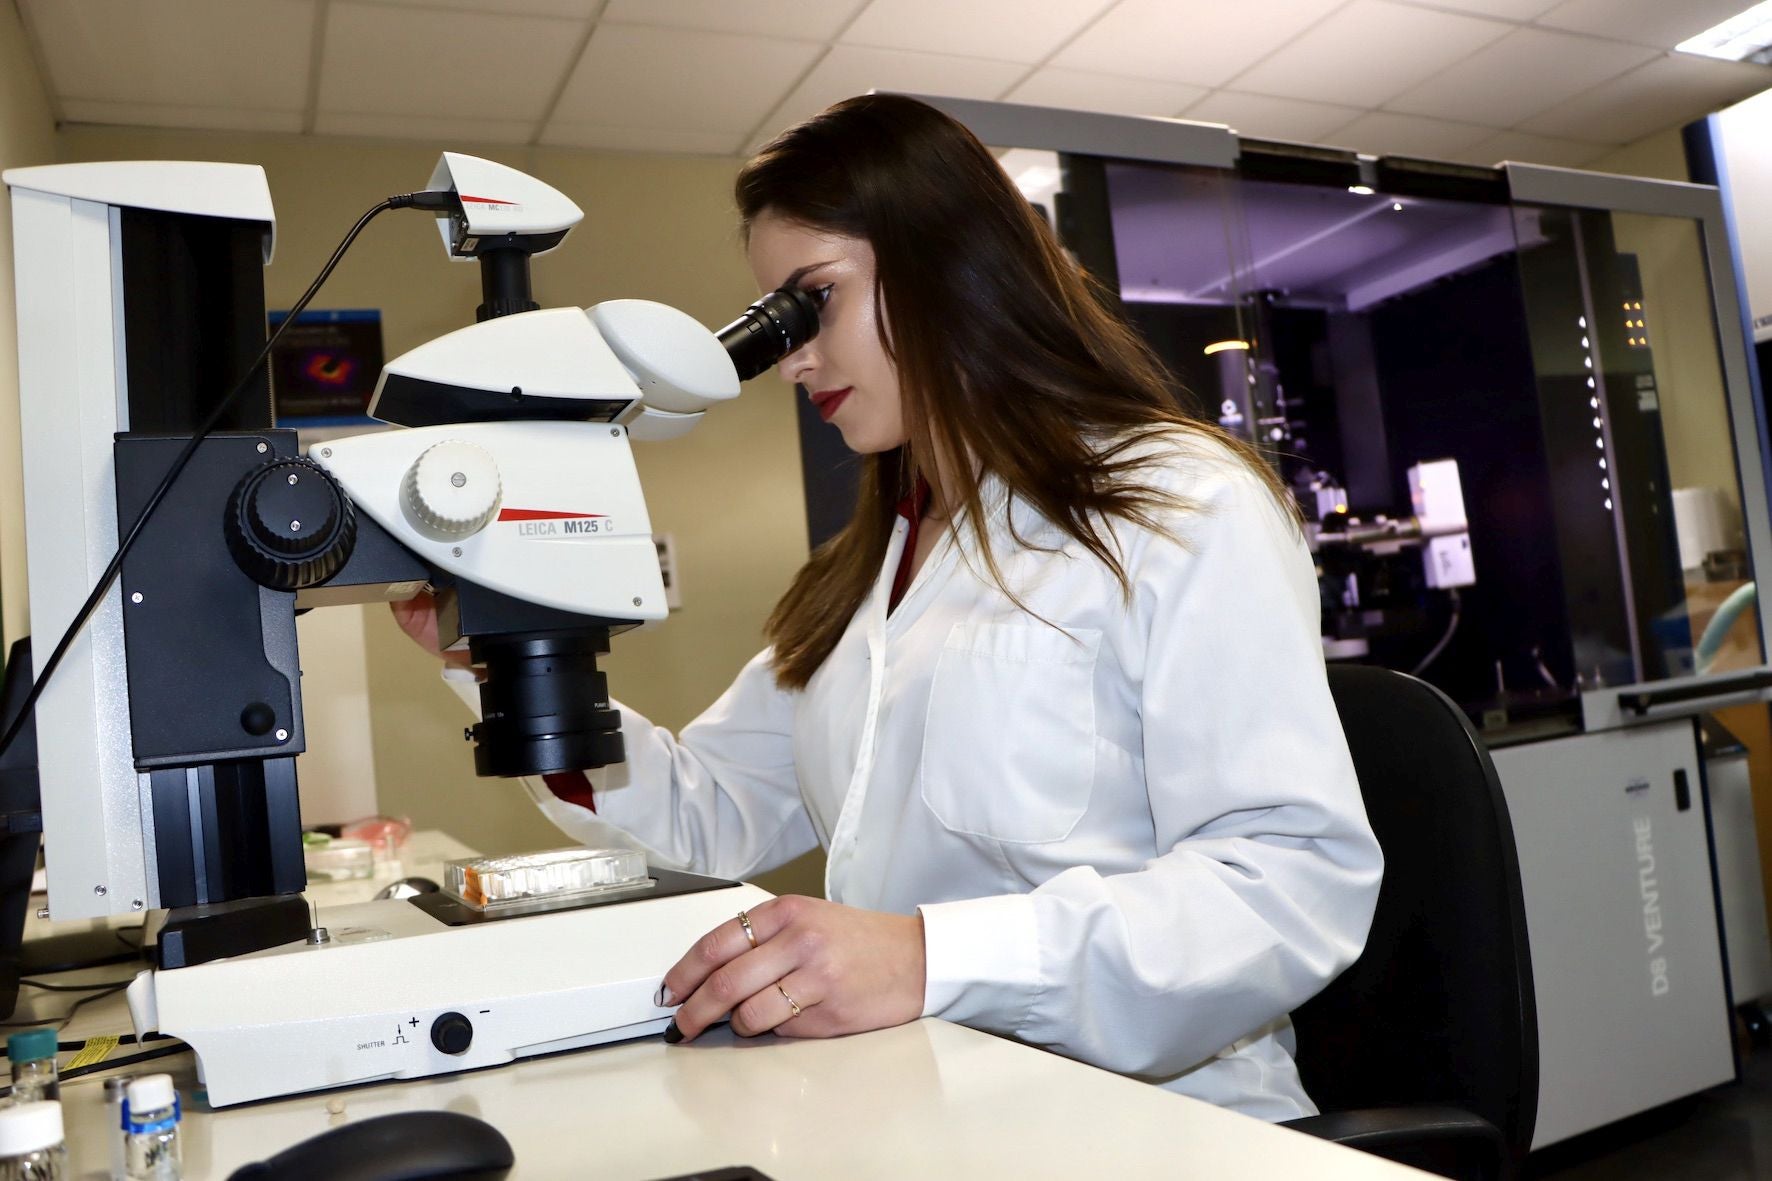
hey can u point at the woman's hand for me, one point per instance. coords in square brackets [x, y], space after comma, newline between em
[417, 617]
[848, 970]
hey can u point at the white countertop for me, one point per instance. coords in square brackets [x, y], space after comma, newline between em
[925, 1100]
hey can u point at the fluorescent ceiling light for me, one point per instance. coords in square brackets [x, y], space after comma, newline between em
[1745, 37]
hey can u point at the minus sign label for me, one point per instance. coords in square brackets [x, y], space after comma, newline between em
[486, 1010]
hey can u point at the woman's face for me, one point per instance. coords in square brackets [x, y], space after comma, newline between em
[845, 369]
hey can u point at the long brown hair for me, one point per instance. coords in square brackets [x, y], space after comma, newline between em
[1009, 361]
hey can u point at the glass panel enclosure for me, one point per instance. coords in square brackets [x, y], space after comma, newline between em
[1566, 363]
[1625, 346]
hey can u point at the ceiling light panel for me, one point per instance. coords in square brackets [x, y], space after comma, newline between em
[1080, 90]
[1661, 23]
[1524, 74]
[1370, 52]
[1196, 42]
[1007, 30]
[179, 53]
[405, 61]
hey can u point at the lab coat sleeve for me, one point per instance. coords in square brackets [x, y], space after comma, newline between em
[721, 798]
[1268, 872]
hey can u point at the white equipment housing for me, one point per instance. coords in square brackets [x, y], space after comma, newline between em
[497, 200]
[362, 1008]
[73, 396]
[547, 511]
[567, 526]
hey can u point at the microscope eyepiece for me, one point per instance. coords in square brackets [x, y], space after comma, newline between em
[769, 330]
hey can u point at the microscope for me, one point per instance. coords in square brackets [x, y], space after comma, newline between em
[166, 739]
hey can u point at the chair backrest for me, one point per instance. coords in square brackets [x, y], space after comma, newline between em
[1439, 1008]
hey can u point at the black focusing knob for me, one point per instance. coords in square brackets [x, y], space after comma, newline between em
[289, 525]
[452, 1033]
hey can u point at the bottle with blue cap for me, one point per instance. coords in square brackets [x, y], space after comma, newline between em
[32, 1054]
[31, 1142]
[150, 1129]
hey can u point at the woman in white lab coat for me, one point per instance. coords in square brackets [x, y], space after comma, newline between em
[1053, 703]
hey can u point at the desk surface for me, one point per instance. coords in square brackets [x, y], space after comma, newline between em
[928, 1099]
[923, 1100]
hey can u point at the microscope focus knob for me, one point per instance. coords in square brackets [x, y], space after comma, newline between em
[289, 525]
[452, 491]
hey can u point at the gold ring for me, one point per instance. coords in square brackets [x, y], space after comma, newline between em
[792, 1004]
[744, 920]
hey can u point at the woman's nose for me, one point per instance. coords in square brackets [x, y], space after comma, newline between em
[797, 364]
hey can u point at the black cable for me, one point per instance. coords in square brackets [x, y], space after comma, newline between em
[111, 1064]
[62, 1021]
[424, 200]
[123, 1039]
[126, 1060]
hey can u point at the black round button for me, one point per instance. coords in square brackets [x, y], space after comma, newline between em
[452, 1033]
[257, 719]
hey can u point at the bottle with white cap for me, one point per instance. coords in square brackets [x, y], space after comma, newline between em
[31, 1147]
[150, 1129]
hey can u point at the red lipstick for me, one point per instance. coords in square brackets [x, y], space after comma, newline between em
[827, 401]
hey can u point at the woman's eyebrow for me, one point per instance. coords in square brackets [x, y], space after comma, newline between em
[806, 270]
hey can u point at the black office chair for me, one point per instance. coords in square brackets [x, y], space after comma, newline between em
[1425, 1051]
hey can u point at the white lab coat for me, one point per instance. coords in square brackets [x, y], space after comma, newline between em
[1136, 841]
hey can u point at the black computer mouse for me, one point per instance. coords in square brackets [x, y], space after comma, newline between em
[405, 1146]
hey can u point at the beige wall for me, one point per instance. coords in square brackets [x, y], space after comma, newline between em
[27, 136]
[656, 227]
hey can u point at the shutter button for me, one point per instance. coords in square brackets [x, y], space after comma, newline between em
[452, 1033]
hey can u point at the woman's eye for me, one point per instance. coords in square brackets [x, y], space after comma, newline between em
[821, 295]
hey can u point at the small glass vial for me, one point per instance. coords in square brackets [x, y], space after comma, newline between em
[32, 1054]
[150, 1129]
[115, 1087]
[31, 1147]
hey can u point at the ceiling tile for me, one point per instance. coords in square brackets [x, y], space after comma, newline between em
[402, 61]
[1198, 42]
[1523, 74]
[444, 129]
[850, 69]
[214, 53]
[1370, 52]
[631, 139]
[1384, 134]
[1511, 10]
[1521, 148]
[573, 9]
[1007, 30]
[1668, 91]
[82, 110]
[1662, 23]
[1264, 117]
[1079, 90]
[819, 21]
[648, 78]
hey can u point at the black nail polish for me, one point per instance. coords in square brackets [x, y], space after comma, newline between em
[673, 1035]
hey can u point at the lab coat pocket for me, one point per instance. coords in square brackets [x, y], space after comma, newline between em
[1009, 744]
